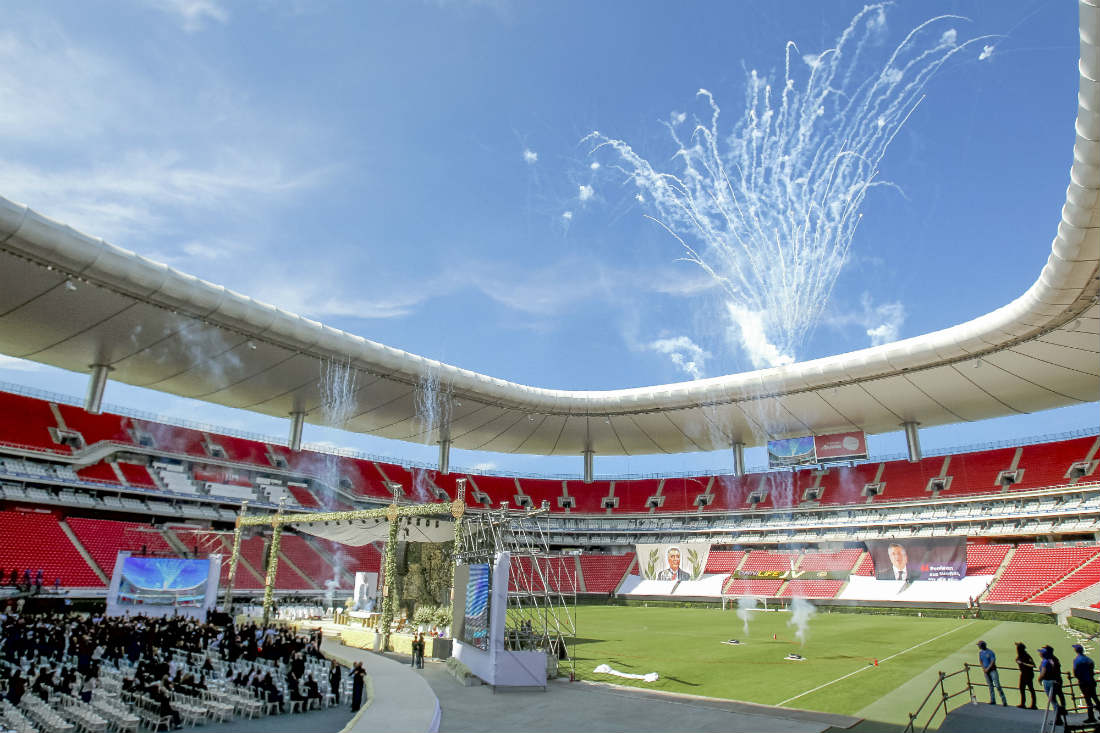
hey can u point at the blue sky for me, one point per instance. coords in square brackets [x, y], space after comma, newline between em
[417, 173]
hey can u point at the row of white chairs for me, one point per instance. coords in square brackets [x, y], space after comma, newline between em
[43, 716]
[13, 718]
[80, 714]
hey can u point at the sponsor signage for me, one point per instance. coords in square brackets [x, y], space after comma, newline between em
[841, 446]
[813, 449]
[792, 574]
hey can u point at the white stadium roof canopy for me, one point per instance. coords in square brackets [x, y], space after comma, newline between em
[162, 329]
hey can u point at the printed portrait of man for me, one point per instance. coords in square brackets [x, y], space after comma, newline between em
[673, 571]
[900, 567]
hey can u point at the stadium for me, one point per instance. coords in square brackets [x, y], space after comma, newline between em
[159, 571]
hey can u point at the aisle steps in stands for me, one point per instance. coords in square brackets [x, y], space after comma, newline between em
[283, 558]
[1080, 577]
[1087, 597]
[347, 577]
[175, 543]
[84, 552]
[243, 565]
[1040, 567]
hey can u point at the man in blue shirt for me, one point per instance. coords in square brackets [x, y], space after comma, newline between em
[1084, 670]
[988, 661]
[1050, 674]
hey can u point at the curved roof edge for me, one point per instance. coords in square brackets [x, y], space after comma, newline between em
[1061, 296]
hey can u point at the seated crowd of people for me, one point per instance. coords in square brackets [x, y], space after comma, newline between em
[44, 654]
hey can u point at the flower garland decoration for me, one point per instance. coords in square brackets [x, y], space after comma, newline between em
[234, 556]
[391, 513]
[272, 569]
[389, 582]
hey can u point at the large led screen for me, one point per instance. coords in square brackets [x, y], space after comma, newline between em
[163, 581]
[475, 627]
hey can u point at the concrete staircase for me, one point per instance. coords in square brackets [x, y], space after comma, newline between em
[1000, 571]
[1081, 599]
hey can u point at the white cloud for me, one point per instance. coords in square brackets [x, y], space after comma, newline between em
[594, 165]
[639, 198]
[881, 322]
[684, 353]
[328, 446]
[135, 194]
[318, 295]
[530, 157]
[585, 193]
[567, 215]
[13, 364]
[205, 251]
[93, 140]
[51, 87]
[885, 324]
[987, 51]
[950, 37]
[750, 334]
[193, 14]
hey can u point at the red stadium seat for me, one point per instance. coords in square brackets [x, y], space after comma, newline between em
[35, 540]
[604, 573]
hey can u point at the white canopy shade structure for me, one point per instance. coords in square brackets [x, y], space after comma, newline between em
[359, 532]
[79, 303]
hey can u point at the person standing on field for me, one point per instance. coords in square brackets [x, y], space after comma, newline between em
[1085, 672]
[1027, 674]
[988, 661]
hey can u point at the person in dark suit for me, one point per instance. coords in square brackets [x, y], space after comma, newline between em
[900, 566]
[335, 676]
[673, 571]
[358, 679]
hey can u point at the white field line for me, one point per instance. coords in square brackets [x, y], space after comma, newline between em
[887, 659]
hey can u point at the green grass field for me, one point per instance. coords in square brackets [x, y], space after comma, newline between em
[683, 646]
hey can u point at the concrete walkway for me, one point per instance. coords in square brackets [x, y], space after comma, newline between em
[398, 698]
[595, 707]
[404, 699]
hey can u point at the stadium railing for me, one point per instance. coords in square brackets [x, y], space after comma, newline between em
[966, 679]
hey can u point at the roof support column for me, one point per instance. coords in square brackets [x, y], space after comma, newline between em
[589, 460]
[738, 459]
[445, 456]
[912, 440]
[297, 421]
[93, 400]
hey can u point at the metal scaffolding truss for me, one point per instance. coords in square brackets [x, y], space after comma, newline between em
[542, 585]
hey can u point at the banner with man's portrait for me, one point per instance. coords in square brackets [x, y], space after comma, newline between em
[919, 558]
[672, 561]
